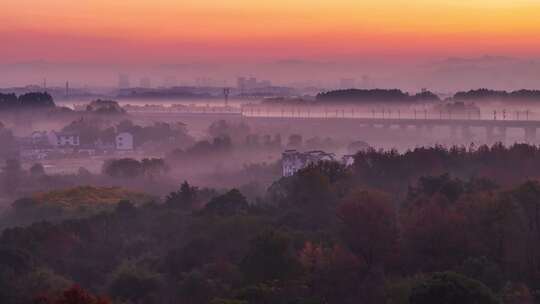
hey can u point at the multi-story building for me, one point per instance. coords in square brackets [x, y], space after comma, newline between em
[124, 141]
[294, 161]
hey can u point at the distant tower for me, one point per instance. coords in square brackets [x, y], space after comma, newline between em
[226, 92]
[67, 89]
[241, 84]
[44, 84]
[123, 81]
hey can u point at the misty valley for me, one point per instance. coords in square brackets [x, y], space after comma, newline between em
[270, 152]
[348, 196]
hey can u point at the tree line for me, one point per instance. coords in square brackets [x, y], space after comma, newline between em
[494, 95]
[375, 95]
[26, 101]
[432, 225]
[395, 95]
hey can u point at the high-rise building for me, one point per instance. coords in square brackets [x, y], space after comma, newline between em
[247, 84]
[251, 83]
[241, 83]
[123, 81]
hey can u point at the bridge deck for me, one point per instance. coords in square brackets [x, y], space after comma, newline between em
[430, 122]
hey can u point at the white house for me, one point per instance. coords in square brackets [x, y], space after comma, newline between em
[293, 161]
[64, 139]
[124, 141]
[347, 160]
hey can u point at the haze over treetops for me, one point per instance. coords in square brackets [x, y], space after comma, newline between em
[209, 30]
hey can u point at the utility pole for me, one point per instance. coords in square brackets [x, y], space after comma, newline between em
[226, 92]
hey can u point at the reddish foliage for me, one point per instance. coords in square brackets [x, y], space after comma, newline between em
[73, 295]
[369, 226]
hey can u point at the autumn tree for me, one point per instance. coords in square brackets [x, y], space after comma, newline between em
[228, 204]
[73, 295]
[434, 237]
[368, 226]
[333, 273]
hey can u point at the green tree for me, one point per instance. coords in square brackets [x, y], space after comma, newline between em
[451, 288]
[37, 170]
[123, 168]
[134, 283]
[12, 175]
[125, 208]
[153, 167]
[270, 257]
[186, 197]
[13, 264]
[36, 100]
[195, 288]
[228, 204]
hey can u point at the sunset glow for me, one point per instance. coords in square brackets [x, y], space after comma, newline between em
[204, 29]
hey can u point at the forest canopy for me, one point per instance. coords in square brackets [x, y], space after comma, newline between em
[433, 224]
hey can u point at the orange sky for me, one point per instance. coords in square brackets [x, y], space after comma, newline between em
[176, 30]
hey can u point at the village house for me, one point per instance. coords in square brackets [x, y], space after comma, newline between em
[42, 144]
[347, 160]
[124, 141]
[34, 154]
[37, 146]
[65, 139]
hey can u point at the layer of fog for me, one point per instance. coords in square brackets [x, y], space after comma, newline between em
[439, 75]
[252, 160]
